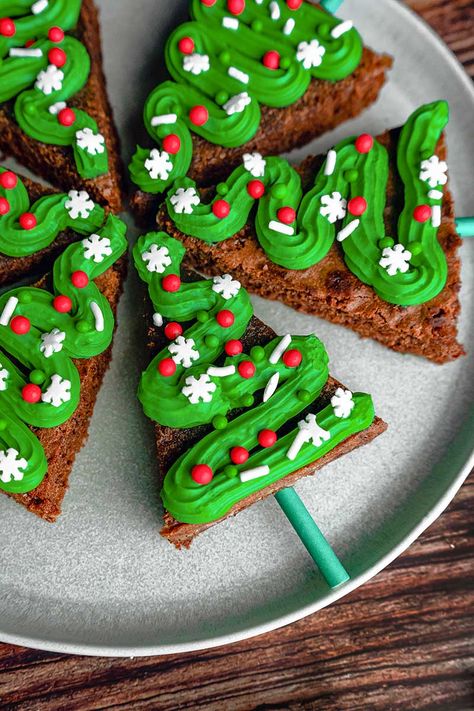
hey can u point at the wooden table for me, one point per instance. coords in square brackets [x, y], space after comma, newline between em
[403, 641]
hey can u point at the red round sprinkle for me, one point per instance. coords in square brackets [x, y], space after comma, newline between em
[57, 56]
[8, 180]
[31, 393]
[79, 279]
[7, 27]
[173, 330]
[246, 369]
[208, 3]
[167, 367]
[271, 60]
[292, 358]
[186, 45]
[239, 455]
[364, 143]
[357, 205]
[171, 143]
[62, 304]
[171, 282]
[294, 4]
[236, 7]
[225, 318]
[198, 115]
[201, 474]
[286, 215]
[56, 34]
[221, 209]
[66, 117]
[233, 347]
[267, 438]
[20, 325]
[422, 213]
[255, 189]
[4, 206]
[27, 221]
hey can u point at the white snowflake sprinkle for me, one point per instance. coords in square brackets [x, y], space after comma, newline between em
[236, 104]
[333, 206]
[3, 378]
[310, 54]
[92, 143]
[198, 389]
[52, 342]
[157, 258]
[49, 79]
[434, 171]
[183, 351]
[196, 63]
[226, 286]
[11, 465]
[255, 164]
[395, 259]
[79, 204]
[58, 393]
[342, 403]
[159, 164]
[184, 200]
[97, 248]
[309, 431]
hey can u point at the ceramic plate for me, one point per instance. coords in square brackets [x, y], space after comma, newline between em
[102, 581]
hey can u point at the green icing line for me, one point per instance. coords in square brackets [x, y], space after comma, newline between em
[312, 234]
[32, 105]
[230, 64]
[198, 303]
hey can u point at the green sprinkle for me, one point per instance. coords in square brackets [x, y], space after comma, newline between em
[202, 316]
[230, 471]
[37, 377]
[303, 395]
[24, 297]
[83, 327]
[221, 97]
[219, 422]
[257, 353]
[278, 190]
[3, 424]
[324, 29]
[386, 242]
[415, 248]
[257, 25]
[211, 340]
[351, 175]
[225, 57]
[222, 188]
[248, 400]
[285, 62]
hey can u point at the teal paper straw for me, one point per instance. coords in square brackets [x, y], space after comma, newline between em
[317, 546]
[465, 226]
[331, 5]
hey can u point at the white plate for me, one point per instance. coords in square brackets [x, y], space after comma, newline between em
[102, 581]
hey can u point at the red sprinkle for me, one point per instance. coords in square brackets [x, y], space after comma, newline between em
[422, 213]
[286, 215]
[66, 117]
[62, 304]
[173, 330]
[246, 369]
[208, 3]
[271, 60]
[198, 115]
[186, 45]
[20, 325]
[357, 205]
[31, 393]
[236, 7]
[55, 34]
[79, 279]
[8, 180]
[27, 221]
[30, 43]
[4, 206]
[225, 318]
[7, 27]
[201, 474]
[171, 282]
[255, 189]
[57, 56]
[267, 438]
[364, 143]
[239, 455]
[233, 347]
[221, 209]
[171, 143]
[294, 4]
[167, 367]
[292, 358]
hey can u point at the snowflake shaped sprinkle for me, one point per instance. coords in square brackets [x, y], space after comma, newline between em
[58, 393]
[79, 204]
[343, 403]
[433, 171]
[237, 103]
[198, 389]
[333, 206]
[92, 143]
[3, 378]
[310, 54]
[11, 465]
[52, 342]
[309, 431]
[97, 248]
[226, 286]
[159, 164]
[395, 259]
[184, 200]
[157, 258]
[255, 164]
[49, 80]
[183, 351]
[196, 63]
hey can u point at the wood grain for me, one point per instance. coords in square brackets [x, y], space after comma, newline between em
[405, 641]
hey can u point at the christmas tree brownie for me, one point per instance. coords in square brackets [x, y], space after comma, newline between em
[55, 117]
[241, 413]
[364, 236]
[250, 75]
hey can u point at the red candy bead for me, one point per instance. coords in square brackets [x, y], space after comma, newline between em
[422, 213]
[171, 282]
[173, 330]
[198, 115]
[171, 143]
[8, 180]
[239, 455]
[79, 279]
[31, 393]
[57, 56]
[267, 438]
[255, 189]
[167, 367]
[225, 318]
[4, 206]
[221, 209]
[357, 205]
[246, 369]
[29, 43]
[20, 325]
[364, 143]
[66, 117]
[292, 358]
[233, 347]
[27, 221]
[271, 60]
[55, 34]
[186, 45]
[201, 474]
[286, 215]
[294, 4]
[62, 304]
[208, 3]
[7, 27]
[236, 7]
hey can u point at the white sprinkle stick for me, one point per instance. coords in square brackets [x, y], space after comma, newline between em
[256, 473]
[330, 162]
[280, 349]
[274, 10]
[99, 317]
[164, 118]
[280, 227]
[8, 311]
[289, 26]
[39, 6]
[57, 107]
[347, 230]
[271, 386]
[157, 319]
[300, 439]
[221, 372]
[341, 29]
[436, 215]
[25, 52]
[237, 74]
[435, 194]
[230, 23]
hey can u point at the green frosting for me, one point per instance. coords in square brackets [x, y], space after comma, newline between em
[43, 355]
[225, 73]
[199, 392]
[411, 272]
[37, 108]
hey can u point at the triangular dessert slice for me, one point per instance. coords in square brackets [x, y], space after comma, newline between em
[364, 237]
[248, 76]
[55, 117]
[240, 412]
